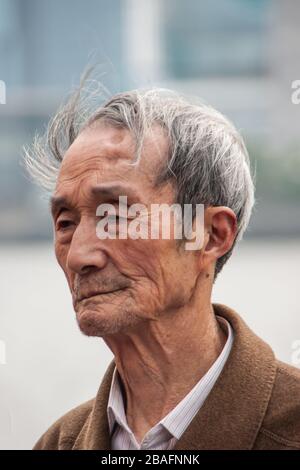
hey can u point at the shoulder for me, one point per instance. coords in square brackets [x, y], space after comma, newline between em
[282, 420]
[63, 433]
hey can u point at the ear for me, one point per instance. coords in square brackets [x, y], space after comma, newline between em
[220, 226]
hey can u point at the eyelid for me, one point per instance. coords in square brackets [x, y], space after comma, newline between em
[58, 212]
[62, 210]
[60, 227]
[62, 217]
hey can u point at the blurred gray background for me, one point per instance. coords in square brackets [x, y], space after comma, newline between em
[241, 56]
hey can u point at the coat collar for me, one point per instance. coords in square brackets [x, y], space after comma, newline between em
[232, 414]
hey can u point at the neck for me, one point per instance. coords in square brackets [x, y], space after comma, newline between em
[162, 360]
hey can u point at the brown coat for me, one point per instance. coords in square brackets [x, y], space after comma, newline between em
[255, 404]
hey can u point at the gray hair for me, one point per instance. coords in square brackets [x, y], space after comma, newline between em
[208, 161]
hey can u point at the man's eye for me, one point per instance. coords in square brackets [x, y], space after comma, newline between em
[64, 224]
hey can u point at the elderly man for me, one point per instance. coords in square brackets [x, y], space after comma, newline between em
[186, 374]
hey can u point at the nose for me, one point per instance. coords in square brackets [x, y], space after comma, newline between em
[85, 252]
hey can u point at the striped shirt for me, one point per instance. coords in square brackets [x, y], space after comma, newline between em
[168, 431]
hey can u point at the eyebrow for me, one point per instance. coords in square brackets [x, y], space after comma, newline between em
[108, 191]
[58, 202]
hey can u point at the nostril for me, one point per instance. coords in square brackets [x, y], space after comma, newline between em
[88, 269]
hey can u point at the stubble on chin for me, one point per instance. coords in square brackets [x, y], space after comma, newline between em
[105, 318]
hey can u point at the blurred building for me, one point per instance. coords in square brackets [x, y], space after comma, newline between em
[239, 55]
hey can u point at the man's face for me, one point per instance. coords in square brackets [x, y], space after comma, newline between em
[116, 284]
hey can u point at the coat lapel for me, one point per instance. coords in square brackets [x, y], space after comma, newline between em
[233, 412]
[95, 432]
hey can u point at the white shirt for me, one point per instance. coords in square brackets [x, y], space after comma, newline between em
[168, 431]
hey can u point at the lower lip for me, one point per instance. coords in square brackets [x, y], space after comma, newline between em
[101, 294]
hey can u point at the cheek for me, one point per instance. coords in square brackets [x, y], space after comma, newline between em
[137, 260]
[172, 272]
[150, 267]
[61, 254]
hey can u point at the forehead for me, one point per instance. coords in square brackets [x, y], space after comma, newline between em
[105, 152]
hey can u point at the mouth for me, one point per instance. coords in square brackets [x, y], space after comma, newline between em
[93, 294]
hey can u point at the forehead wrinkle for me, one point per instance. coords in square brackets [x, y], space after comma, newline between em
[115, 189]
[97, 160]
[92, 146]
[87, 194]
[71, 170]
[98, 147]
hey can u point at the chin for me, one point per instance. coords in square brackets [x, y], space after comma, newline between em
[102, 323]
[90, 324]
